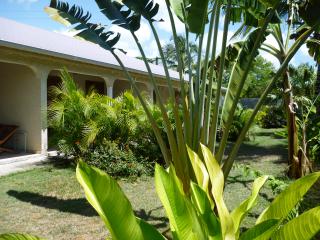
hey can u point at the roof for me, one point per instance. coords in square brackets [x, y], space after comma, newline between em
[28, 38]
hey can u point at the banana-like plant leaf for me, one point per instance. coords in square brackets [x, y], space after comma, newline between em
[309, 11]
[61, 12]
[122, 17]
[107, 198]
[304, 227]
[199, 170]
[288, 199]
[261, 231]
[250, 12]
[209, 219]
[313, 46]
[183, 219]
[237, 80]
[269, 3]
[18, 236]
[217, 181]
[147, 8]
[192, 12]
[240, 212]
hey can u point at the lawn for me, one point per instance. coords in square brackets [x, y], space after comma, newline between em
[49, 202]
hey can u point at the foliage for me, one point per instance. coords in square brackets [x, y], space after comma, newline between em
[309, 123]
[271, 117]
[200, 119]
[94, 127]
[303, 79]
[118, 162]
[170, 55]
[241, 116]
[259, 77]
[195, 218]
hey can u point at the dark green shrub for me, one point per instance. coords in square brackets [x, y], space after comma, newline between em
[118, 162]
[271, 117]
[239, 120]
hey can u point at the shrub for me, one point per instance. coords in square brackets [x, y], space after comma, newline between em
[239, 121]
[85, 126]
[271, 117]
[118, 162]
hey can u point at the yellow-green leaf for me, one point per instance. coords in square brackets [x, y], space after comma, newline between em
[217, 182]
[288, 199]
[303, 227]
[240, 212]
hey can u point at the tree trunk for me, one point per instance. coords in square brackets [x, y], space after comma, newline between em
[305, 164]
[293, 142]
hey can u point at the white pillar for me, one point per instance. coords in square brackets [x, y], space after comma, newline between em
[42, 74]
[150, 92]
[109, 83]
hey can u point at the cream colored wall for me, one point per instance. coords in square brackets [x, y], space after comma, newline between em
[20, 102]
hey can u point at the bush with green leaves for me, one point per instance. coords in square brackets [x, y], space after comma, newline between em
[239, 121]
[118, 162]
[85, 126]
[271, 117]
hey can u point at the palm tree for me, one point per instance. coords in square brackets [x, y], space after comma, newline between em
[170, 55]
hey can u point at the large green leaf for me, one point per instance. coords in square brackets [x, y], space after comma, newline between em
[61, 12]
[192, 12]
[147, 8]
[261, 231]
[303, 227]
[238, 80]
[217, 182]
[240, 212]
[201, 201]
[288, 199]
[18, 236]
[107, 198]
[183, 219]
[309, 11]
[199, 170]
[124, 18]
[313, 46]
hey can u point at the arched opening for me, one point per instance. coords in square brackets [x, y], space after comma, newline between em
[20, 104]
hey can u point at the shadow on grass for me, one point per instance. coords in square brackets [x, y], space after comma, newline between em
[76, 206]
[158, 222]
[251, 152]
[60, 163]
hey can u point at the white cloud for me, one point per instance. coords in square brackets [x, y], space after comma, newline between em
[165, 25]
[304, 50]
[127, 42]
[219, 40]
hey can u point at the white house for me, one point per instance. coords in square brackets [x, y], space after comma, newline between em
[30, 60]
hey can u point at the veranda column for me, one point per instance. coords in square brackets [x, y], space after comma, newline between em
[41, 74]
[109, 83]
[150, 92]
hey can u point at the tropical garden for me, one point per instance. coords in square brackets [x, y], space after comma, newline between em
[198, 152]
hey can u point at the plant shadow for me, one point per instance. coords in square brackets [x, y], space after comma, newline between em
[249, 152]
[78, 206]
[157, 221]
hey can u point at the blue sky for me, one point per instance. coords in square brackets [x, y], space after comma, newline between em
[31, 12]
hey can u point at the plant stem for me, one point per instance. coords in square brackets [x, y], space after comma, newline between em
[228, 123]
[296, 46]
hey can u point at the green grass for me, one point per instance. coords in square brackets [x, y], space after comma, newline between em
[49, 202]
